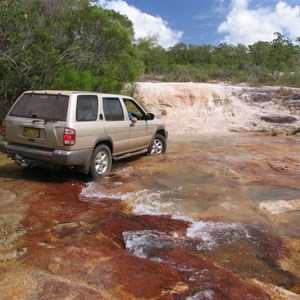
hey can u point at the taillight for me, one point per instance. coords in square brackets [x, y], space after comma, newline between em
[3, 128]
[69, 137]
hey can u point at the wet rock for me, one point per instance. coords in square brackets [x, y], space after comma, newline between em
[280, 206]
[70, 230]
[294, 105]
[291, 262]
[9, 234]
[279, 119]
[296, 96]
[257, 96]
[6, 255]
[12, 213]
[293, 102]
[283, 130]
[118, 183]
[277, 293]
[78, 247]
[93, 249]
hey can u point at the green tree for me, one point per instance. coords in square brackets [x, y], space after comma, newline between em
[260, 53]
[282, 54]
[74, 43]
[231, 56]
[199, 54]
[178, 54]
[153, 56]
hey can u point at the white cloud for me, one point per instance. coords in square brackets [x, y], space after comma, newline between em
[248, 26]
[145, 25]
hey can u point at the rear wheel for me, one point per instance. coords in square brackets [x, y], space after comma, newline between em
[159, 145]
[101, 162]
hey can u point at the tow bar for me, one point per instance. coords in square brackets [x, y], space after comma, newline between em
[20, 161]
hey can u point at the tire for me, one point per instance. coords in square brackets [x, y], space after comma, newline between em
[159, 145]
[100, 162]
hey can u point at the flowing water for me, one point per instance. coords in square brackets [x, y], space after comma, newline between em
[216, 217]
[239, 195]
[220, 177]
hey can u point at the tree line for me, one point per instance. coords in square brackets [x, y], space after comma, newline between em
[77, 45]
[275, 62]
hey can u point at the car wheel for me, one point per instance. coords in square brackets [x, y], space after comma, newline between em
[101, 162]
[159, 145]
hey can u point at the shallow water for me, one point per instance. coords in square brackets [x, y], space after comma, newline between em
[216, 184]
[216, 217]
[220, 177]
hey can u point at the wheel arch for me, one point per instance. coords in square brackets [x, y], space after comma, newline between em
[162, 132]
[106, 141]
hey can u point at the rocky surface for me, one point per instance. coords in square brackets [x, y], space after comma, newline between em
[203, 107]
[75, 250]
[58, 243]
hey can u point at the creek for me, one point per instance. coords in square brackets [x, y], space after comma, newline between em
[216, 217]
[239, 194]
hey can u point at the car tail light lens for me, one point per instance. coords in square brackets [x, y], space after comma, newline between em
[69, 137]
[3, 128]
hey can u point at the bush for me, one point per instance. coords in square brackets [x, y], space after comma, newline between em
[283, 92]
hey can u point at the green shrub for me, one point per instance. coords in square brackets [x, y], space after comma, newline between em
[283, 92]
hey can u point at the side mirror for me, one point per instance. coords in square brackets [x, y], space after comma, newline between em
[150, 116]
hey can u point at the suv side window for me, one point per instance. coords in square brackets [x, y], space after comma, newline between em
[113, 110]
[87, 108]
[134, 109]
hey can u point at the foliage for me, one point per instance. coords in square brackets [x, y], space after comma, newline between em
[69, 44]
[285, 92]
[275, 62]
[77, 45]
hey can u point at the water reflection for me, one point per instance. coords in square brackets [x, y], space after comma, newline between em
[220, 177]
[231, 201]
[216, 184]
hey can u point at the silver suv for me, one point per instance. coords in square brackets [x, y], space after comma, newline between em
[82, 130]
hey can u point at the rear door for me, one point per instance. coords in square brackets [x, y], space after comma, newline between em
[88, 126]
[38, 120]
[116, 124]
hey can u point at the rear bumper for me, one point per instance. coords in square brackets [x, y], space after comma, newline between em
[46, 156]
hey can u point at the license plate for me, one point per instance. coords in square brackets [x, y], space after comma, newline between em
[31, 132]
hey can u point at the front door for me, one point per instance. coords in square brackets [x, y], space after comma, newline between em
[141, 132]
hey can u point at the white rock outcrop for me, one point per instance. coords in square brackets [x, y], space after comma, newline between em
[190, 108]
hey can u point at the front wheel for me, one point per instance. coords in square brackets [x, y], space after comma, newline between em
[100, 162]
[159, 145]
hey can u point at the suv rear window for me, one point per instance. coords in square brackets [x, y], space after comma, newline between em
[41, 106]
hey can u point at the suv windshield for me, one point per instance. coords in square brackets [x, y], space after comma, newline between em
[41, 106]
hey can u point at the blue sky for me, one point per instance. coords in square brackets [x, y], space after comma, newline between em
[210, 22]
